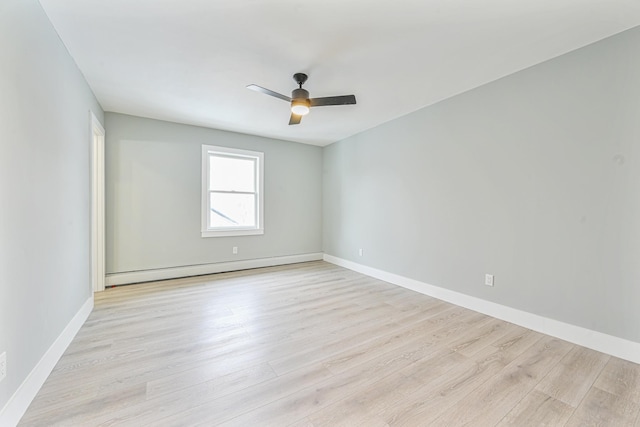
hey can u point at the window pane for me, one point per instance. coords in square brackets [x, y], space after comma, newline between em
[231, 174]
[232, 210]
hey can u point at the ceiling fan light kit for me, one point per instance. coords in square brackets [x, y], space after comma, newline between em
[300, 101]
[300, 106]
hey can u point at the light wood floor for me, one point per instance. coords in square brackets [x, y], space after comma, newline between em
[317, 345]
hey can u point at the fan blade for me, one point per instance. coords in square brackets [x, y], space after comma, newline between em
[333, 100]
[295, 119]
[269, 92]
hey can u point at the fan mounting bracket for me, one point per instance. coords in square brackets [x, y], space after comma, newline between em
[300, 78]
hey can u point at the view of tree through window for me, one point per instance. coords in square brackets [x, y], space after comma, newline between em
[232, 184]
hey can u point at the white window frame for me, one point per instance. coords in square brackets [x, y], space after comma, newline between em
[207, 230]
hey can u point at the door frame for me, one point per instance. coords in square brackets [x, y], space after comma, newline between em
[97, 205]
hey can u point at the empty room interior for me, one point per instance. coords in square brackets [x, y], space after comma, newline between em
[320, 213]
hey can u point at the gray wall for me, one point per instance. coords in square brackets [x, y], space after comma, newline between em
[153, 196]
[534, 178]
[44, 188]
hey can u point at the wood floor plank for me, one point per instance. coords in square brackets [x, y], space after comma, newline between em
[363, 407]
[538, 409]
[425, 404]
[80, 414]
[348, 338]
[441, 387]
[209, 372]
[601, 408]
[570, 380]
[516, 342]
[218, 410]
[360, 354]
[164, 401]
[338, 387]
[301, 423]
[491, 401]
[314, 345]
[620, 378]
[478, 338]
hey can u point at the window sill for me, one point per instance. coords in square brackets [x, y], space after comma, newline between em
[232, 233]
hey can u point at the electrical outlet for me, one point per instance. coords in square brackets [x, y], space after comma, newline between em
[488, 279]
[3, 365]
[235, 250]
[360, 251]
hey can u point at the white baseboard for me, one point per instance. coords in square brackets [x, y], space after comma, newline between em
[594, 340]
[21, 399]
[201, 269]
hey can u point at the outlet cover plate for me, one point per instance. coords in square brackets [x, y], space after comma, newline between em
[488, 279]
[3, 365]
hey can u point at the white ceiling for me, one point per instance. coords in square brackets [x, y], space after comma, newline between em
[189, 61]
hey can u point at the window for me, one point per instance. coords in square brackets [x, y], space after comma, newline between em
[231, 192]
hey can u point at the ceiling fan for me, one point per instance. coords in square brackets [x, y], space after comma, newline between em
[300, 101]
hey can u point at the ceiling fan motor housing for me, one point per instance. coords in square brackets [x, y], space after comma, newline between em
[300, 94]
